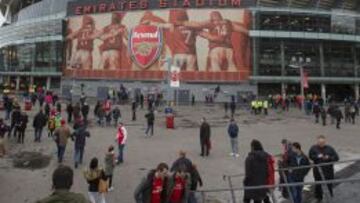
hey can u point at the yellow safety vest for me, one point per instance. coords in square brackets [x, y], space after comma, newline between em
[266, 104]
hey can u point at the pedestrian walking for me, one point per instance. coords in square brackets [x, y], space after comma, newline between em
[21, 127]
[3, 130]
[121, 138]
[338, 116]
[256, 173]
[178, 186]
[51, 125]
[85, 111]
[323, 153]
[141, 101]
[47, 109]
[8, 105]
[94, 176]
[62, 135]
[77, 110]
[150, 118]
[195, 181]
[133, 109]
[62, 181]
[353, 113]
[110, 162]
[15, 118]
[58, 107]
[233, 131]
[101, 116]
[152, 188]
[79, 137]
[226, 108]
[182, 162]
[39, 123]
[297, 159]
[232, 108]
[205, 141]
[323, 115]
[69, 111]
[116, 113]
[316, 112]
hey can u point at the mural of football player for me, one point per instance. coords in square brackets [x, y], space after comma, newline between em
[113, 49]
[183, 40]
[85, 43]
[218, 31]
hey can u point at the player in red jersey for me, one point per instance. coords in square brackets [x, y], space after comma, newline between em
[183, 40]
[219, 33]
[85, 43]
[113, 46]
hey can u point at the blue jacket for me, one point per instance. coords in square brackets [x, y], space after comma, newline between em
[233, 130]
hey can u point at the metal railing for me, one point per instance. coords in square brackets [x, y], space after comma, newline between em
[286, 184]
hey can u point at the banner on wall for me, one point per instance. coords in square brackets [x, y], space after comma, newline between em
[205, 44]
[175, 76]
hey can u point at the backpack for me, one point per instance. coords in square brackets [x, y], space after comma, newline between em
[271, 170]
[51, 124]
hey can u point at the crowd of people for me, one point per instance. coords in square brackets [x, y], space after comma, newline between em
[164, 184]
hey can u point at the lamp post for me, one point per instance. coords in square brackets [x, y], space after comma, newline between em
[298, 62]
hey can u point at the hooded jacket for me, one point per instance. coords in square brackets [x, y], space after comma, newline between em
[64, 196]
[256, 173]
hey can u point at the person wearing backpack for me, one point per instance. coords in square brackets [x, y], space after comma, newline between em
[94, 175]
[150, 117]
[51, 126]
[297, 159]
[121, 138]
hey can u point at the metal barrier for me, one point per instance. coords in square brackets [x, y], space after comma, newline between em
[323, 182]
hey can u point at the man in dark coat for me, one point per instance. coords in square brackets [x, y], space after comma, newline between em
[85, 111]
[69, 111]
[39, 123]
[323, 116]
[77, 111]
[322, 153]
[133, 108]
[79, 136]
[150, 117]
[8, 107]
[232, 108]
[153, 186]
[339, 116]
[297, 159]
[256, 173]
[205, 134]
[21, 127]
[15, 118]
[316, 112]
[182, 162]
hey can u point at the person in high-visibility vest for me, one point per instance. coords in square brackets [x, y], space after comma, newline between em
[266, 106]
[259, 106]
[253, 105]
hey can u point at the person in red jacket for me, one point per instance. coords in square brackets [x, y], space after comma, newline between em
[121, 138]
[178, 186]
[152, 188]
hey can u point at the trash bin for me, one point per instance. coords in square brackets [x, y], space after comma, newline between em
[170, 118]
[28, 105]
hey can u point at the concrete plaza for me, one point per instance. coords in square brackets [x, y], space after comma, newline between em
[142, 154]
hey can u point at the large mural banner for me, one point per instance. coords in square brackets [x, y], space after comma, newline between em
[206, 44]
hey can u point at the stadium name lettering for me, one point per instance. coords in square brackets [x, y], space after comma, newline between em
[145, 35]
[92, 6]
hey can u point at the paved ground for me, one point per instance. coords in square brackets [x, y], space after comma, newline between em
[19, 185]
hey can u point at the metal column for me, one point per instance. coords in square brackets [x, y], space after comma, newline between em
[323, 92]
[17, 87]
[322, 65]
[283, 68]
[48, 83]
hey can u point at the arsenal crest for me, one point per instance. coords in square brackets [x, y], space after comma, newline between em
[145, 44]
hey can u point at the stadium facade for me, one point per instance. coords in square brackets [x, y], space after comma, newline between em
[245, 46]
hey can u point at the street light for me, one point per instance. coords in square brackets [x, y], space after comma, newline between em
[298, 62]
